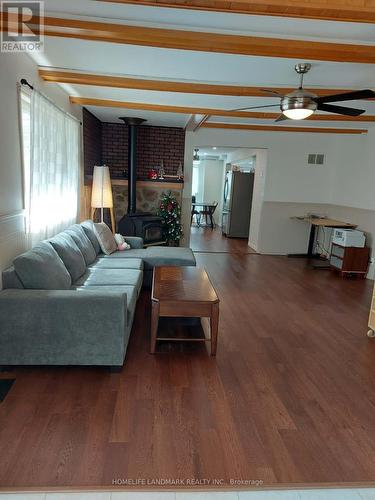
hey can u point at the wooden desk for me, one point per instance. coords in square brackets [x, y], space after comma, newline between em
[317, 222]
[183, 292]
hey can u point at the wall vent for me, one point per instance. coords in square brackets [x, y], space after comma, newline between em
[315, 159]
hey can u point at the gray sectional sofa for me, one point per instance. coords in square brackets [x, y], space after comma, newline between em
[66, 303]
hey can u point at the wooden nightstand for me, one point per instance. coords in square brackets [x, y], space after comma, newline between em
[350, 260]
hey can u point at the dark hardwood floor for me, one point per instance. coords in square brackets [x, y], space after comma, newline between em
[205, 239]
[289, 398]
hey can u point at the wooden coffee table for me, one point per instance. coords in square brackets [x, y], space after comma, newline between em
[183, 292]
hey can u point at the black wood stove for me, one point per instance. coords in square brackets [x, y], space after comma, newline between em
[143, 224]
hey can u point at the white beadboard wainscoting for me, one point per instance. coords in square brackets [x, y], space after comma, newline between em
[12, 238]
[280, 235]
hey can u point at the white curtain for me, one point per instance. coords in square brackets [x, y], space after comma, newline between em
[54, 169]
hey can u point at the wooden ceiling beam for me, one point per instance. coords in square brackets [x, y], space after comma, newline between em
[283, 128]
[357, 11]
[161, 108]
[73, 77]
[203, 41]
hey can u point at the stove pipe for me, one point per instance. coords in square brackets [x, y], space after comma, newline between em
[132, 124]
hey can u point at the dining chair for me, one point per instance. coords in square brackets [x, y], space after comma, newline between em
[194, 212]
[208, 212]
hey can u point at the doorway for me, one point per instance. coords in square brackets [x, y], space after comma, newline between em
[221, 199]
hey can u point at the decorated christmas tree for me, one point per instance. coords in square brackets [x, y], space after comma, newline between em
[170, 212]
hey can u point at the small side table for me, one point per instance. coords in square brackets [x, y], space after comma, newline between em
[183, 292]
[350, 260]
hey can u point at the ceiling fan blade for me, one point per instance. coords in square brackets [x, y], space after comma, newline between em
[340, 110]
[256, 107]
[347, 96]
[281, 118]
[272, 92]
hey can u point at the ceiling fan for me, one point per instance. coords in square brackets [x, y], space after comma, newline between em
[300, 103]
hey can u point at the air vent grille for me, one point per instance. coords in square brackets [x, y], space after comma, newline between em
[315, 159]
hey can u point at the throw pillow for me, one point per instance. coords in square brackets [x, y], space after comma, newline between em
[41, 268]
[106, 239]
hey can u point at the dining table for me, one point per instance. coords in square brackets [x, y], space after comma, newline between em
[208, 208]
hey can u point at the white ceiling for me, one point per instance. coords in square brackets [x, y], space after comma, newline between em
[211, 21]
[204, 67]
[153, 118]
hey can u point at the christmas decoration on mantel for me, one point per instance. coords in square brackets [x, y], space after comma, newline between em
[161, 170]
[170, 212]
[152, 174]
[180, 172]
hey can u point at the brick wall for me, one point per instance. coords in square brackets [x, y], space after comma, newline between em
[92, 141]
[160, 143]
[154, 144]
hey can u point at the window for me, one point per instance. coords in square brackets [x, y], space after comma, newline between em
[51, 160]
[197, 181]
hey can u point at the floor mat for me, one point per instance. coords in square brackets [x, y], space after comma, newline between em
[5, 386]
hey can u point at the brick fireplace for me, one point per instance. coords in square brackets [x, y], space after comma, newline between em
[108, 143]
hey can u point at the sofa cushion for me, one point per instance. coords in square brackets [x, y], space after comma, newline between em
[131, 295]
[158, 256]
[88, 227]
[70, 254]
[41, 268]
[101, 263]
[137, 253]
[99, 277]
[106, 238]
[168, 256]
[134, 241]
[82, 242]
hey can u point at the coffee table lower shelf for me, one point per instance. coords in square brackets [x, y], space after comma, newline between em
[213, 322]
[178, 329]
[184, 292]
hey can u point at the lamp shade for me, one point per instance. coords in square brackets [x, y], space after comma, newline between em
[101, 195]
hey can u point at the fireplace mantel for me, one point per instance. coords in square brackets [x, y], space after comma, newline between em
[166, 184]
[148, 195]
[151, 184]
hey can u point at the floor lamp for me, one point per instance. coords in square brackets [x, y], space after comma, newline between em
[101, 195]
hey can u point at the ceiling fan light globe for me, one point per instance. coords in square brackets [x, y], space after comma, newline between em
[298, 105]
[298, 113]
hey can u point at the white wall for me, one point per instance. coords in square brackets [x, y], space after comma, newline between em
[13, 67]
[239, 154]
[213, 184]
[261, 156]
[346, 180]
[354, 176]
[288, 178]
